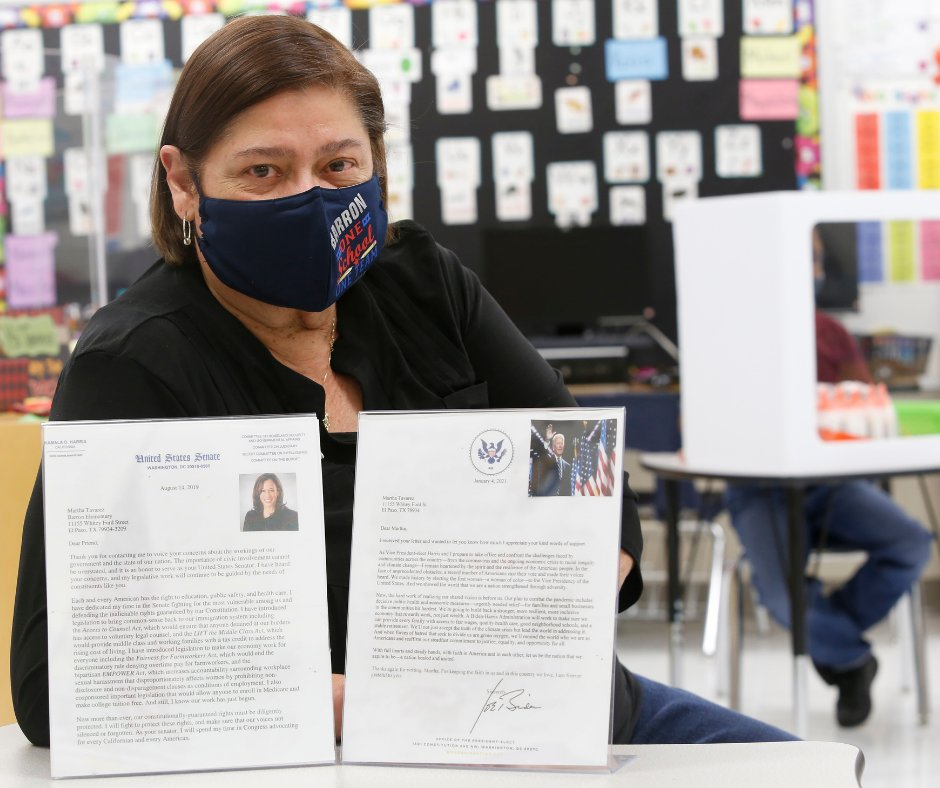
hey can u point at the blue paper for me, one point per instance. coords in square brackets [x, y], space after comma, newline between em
[636, 59]
[899, 151]
[870, 254]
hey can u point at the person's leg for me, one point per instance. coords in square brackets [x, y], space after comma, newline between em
[759, 516]
[673, 716]
[860, 516]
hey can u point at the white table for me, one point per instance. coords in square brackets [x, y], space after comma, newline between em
[673, 469]
[771, 765]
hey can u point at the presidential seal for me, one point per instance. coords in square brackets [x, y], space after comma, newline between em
[491, 452]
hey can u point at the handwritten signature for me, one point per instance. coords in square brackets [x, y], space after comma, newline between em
[503, 700]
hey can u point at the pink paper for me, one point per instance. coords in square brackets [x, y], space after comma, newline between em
[39, 103]
[30, 270]
[769, 99]
[930, 250]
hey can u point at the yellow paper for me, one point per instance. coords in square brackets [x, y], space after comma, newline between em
[928, 149]
[32, 137]
[901, 267]
[770, 56]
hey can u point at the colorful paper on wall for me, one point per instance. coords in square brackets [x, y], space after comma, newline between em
[769, 99]
[928, 149]
[869, 252]
[28, 335]
[898, 150]
[776, 57]
[639, 59]
[31, 137]
[131, 133]
[38, 103]
[901, 252]
[930, 250]
[30, 270]
[867, 151]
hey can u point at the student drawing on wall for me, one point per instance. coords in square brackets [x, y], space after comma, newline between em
[269, 511]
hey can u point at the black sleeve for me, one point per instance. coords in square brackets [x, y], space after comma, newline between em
[518, 377]
[94, 386]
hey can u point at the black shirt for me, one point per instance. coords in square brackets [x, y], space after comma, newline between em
[418, 332]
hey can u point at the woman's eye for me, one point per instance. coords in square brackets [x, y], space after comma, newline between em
[338, 166]
[261, 170]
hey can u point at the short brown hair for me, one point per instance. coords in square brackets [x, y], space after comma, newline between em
[249, 60]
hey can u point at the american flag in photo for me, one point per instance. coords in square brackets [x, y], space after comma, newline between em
[593, 471]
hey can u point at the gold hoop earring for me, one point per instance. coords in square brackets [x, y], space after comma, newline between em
[187, 232]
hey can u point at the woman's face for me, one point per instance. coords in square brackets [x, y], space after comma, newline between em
[285, 145]
[268, 494]
[288, 144]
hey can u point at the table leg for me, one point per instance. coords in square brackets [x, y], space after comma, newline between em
[671, 490]
[801, 660]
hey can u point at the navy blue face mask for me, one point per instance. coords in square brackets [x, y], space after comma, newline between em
[302, 251]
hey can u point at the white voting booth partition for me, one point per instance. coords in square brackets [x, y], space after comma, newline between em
[745, 294]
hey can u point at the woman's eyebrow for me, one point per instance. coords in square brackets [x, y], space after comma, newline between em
[279, 152]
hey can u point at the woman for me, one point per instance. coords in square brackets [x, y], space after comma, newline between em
[268, 512]
[268, 204]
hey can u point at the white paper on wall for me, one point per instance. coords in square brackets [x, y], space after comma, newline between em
[573, 113]
[459, 205]
[142, 41]
[768, 17]
[626, 157]
[701, 18]
[397, 124]
[196, 28]
[454, 23]
[513, 92]
[573, 23]
[513, 156]
[517, 23]
[572, 192]
[699, 58]
[513, 201]
[738, 151]
[633, 102]
[25, 178]
[679, 155]
[636, 18]
[82, 47]
[337, 21]
[458, 163]
[28, 216]
[21, 59]
[627, 205]
[79, 215]
[391, 26]
[454, 93]
[676, 190]
[516, 61]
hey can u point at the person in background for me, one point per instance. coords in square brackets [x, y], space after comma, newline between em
[282, 290]
[854, 515]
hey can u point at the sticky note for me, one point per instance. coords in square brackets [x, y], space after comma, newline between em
[867, 151]
[901, 263]
[28, 335]
[31, 137]
[131, 133]
[639, 59]
[38, 103]
[928, 149]
[775, 56]
[769, 99]
[30, 270]
[930, 250]
[869, 252]
[898, 150]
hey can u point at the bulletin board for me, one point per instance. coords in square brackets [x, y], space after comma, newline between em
[718, 81]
